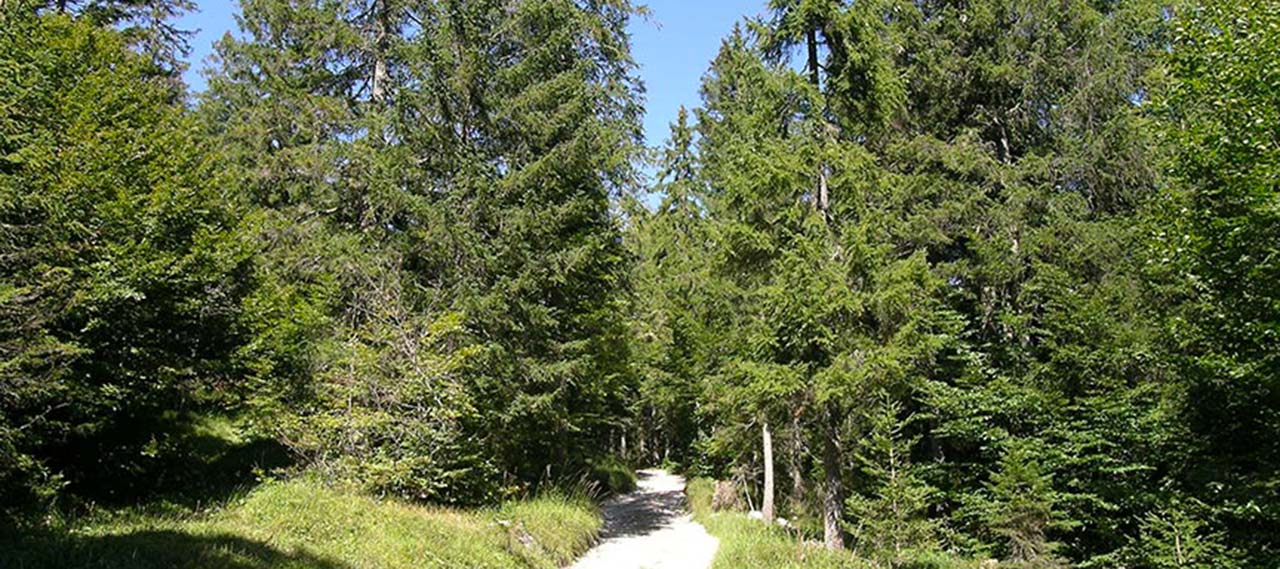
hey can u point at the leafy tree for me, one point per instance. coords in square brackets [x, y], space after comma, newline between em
[123, 278]
[1218, 242]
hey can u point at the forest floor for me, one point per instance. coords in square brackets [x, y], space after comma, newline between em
[651, 528]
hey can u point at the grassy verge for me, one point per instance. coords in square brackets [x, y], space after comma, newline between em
[305, 524]
[745, 542]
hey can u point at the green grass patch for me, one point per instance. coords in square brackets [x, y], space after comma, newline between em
[304, 523]
[561, 527]
[745, 542]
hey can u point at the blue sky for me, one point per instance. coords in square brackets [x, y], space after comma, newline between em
[673, 47]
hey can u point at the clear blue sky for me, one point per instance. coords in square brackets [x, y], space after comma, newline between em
[673, 47]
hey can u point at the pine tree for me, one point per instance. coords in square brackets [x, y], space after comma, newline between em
[1021, 507]
[797, 210]
[1179, 535]
[148, 25]
[673, 306]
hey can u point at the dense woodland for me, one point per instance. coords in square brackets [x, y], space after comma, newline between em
[930, 278]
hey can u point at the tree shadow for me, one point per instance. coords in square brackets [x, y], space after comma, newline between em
[147, 549]
[641, 513]
[195, 470]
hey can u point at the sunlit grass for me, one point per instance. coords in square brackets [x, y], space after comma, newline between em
[745, 542]
[304, 523]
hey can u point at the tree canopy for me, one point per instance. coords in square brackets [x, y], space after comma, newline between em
[999, 279]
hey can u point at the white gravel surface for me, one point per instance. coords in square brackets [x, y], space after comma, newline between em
[650, 529]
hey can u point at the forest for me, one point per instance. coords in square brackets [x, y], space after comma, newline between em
[943, 283]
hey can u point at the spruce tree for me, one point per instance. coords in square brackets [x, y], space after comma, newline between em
[459, 159]
[148, 25]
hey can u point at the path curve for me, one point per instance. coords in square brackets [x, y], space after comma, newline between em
[650, 529]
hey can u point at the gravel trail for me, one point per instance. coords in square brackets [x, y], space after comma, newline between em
[650, 529]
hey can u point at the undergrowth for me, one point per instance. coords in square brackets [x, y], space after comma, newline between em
[745, 542]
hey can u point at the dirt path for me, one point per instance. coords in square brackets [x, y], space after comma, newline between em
[650, 529]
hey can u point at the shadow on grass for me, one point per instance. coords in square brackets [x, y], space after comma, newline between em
[197, 471]
[149, 549]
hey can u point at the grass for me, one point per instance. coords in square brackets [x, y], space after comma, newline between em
[745, 542]
[303, 523]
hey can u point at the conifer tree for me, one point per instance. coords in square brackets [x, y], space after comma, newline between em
[675, 305]
[1021, 508]
[890, 520]
[461, 156]
[148, 25]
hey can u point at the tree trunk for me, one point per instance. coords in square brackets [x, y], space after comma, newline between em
[832, 492]
[822, 190]
[811, 38]
[939, 457]
[795, 467]
[382, 40]
[766, 505]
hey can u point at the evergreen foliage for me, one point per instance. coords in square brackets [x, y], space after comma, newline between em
[998, 277]
[434, 182]
[1013, 226]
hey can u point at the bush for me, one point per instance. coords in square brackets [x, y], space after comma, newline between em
[122, 277]
[610, 475]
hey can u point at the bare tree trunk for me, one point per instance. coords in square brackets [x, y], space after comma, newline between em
[832, 492]
[766, 505]
[382, 38]
[815, 78]
[823, 198]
